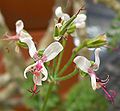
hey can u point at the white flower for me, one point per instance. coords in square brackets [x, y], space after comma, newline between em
[38, 69]
[20, 32]
[79, 20]
[59, 13]
[85, 65]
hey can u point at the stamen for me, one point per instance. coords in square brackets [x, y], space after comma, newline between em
[15, 37]
[108, 96]
[103, 81]
[35, 88]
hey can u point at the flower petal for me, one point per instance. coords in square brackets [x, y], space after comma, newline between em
[52, 50]
[24, 34]
[31, 46]
[93, 78]
[80, 18]
[58, 12]
[65, 17]
[28, 69]
[44, 72]
[82, 63]
[97, 58]
[19, 26]
[93, 81]
[37, 79]
[80, 25]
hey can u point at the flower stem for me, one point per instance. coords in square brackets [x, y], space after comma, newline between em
[68, 76]
[47, 96]
[60, 58]
[71, 58]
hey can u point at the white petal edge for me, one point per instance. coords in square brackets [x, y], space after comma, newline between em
[58, 12]
[93, 81]
[44, 72]
[82, 63]
[52, 50]
[28, 69]
[19, 26]
[97, 58]
[31, 46]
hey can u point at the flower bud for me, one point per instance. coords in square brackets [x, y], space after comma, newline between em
[56, 33]
[99, 41]
[71, 29]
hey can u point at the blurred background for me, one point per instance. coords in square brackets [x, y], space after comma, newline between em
[75, 94]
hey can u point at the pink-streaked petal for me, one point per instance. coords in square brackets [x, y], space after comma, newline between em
[93, 78]
[19, 26]
[58, 12]
[97, 58]
[82, 63]
[52, 50]
[39, 65]
[44, 72]
[28, 69]
[31, 46]
[37, 79]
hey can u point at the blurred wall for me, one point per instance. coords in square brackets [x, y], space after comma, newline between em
[38, 11]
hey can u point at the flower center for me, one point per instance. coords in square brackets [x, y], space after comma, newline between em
[36, 73]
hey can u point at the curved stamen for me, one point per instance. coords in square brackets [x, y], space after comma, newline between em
[108, 95]
[15, 37]
[103, 81]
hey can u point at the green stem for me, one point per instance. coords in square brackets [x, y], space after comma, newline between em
[71, 58]
[47, 96]
[68, 76]
[54, 65]
[60, 58]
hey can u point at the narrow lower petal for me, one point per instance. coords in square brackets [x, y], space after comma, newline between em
[52, 50]
[31, 46]
[44, 72]
[37, 79]
[28, 69]
[93, 78]
[97, 58]
[82, 63]
[19, 26]
[93, 81]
